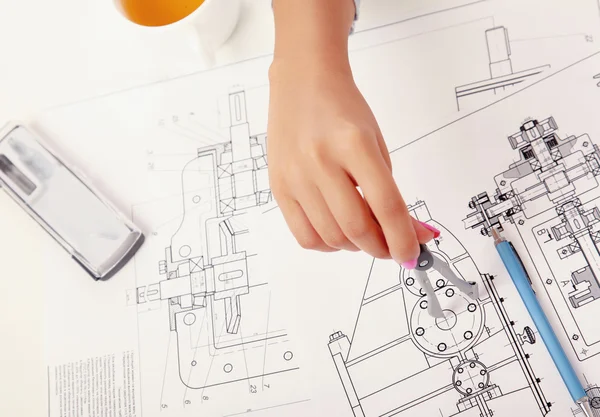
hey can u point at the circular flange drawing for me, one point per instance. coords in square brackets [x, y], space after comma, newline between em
[470, 377]
[407, 278]
[458, 330]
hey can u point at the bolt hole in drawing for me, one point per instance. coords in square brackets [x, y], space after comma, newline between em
[216, 303]
[471, 362]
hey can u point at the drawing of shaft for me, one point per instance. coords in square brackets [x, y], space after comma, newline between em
[205, 262]
[576, 225]
[550, 195]
[552, 174]
[549, 167]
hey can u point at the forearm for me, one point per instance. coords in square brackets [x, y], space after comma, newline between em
[312, 32]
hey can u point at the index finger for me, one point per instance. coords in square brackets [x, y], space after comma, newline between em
[383, 196]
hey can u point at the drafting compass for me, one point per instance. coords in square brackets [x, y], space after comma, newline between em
[428, 261]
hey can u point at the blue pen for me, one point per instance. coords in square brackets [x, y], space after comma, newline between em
[519, 276]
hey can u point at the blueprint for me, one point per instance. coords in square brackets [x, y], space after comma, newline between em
[493, 103]
[450, 360]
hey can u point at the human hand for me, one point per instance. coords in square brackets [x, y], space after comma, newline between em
[323, 143]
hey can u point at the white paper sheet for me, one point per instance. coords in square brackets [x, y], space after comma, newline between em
[222, 314]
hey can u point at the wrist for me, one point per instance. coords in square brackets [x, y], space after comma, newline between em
[297, 68]
[313, 34]
[311, 50]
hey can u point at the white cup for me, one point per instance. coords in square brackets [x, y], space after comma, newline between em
[207, 28]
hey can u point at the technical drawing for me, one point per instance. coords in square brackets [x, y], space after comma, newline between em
[218, 311]
[427, 261]
[502, 75]
[471, 362]
[594, 393]
[551, 196]
[597, 77]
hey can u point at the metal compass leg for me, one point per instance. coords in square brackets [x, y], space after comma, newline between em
[433, 304]
[471, 289]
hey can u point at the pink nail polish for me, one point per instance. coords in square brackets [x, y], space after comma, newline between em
[410, 264]
[436, 232]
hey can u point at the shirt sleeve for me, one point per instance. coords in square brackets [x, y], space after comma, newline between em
[356, 13]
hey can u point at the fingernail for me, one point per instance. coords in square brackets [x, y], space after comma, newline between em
[436, 232]
[410, 264]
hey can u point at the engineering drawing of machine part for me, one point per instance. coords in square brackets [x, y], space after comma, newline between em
[549, 183]
[441, 358]
[428, 261]
[550, 174]
[206, 266]
[502, 75]
[470, 376]
[593, 392]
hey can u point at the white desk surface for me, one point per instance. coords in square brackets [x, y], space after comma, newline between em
[56, 52]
